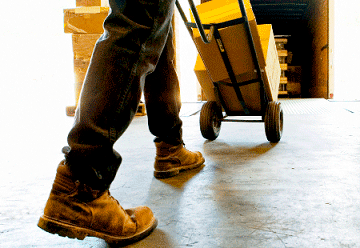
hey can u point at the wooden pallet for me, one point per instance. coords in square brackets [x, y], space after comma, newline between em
[283, 54]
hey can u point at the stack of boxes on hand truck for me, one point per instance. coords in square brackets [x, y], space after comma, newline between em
[238, 68]
[217, 11]
[85, 23]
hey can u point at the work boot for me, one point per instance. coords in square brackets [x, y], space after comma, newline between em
[170, 160]
[75, 210]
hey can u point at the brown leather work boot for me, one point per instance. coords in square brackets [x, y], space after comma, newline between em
[75, 210]
[171, 160]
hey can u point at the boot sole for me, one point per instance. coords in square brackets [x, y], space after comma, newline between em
[75, 232]
[177, 170]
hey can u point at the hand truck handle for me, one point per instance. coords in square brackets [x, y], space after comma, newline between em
[198, 23]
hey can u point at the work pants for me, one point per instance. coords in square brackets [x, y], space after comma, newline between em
[134, 55]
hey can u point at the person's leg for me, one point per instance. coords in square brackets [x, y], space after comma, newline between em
[79, 204]
[162, 98]
[135, 35]
[163, 103]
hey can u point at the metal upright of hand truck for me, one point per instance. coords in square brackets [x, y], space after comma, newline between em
[245, 95]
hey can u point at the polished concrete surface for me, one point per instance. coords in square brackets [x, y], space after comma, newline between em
[302, 192]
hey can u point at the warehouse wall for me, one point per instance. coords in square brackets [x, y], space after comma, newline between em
[318, 23]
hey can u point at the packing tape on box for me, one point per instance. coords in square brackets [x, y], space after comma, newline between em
[104, 3]
[88, 10]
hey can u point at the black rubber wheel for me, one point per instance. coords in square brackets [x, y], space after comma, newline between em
[274, 121]
[210, 120]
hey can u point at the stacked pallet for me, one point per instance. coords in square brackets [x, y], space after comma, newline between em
[85, 23]
[283, 55]
[294, 75]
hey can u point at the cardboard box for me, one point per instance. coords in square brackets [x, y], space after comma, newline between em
[251, 93]
[85, 20]
[88, 3]
[272, 69]
[83, 46]
[217, 11]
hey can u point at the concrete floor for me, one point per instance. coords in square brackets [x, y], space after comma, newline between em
[302, 192]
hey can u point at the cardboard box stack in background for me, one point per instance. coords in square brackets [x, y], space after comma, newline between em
[85, 23]
[283, 54]
[87, 3]
[237, 46]
[83, 46]
[290, 81]
[85, 20]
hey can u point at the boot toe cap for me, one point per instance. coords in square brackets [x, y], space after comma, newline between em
[143, 217]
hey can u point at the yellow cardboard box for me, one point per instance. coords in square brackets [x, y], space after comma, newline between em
[217, 11]
[85, 20]
[83, 46]
[234, 37]
[272, 71]
[251, 93]
[87, 3]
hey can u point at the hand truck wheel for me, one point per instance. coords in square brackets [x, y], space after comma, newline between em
[210, 120]
[274, 122]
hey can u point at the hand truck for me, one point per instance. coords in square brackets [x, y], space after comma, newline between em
[211, 114]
